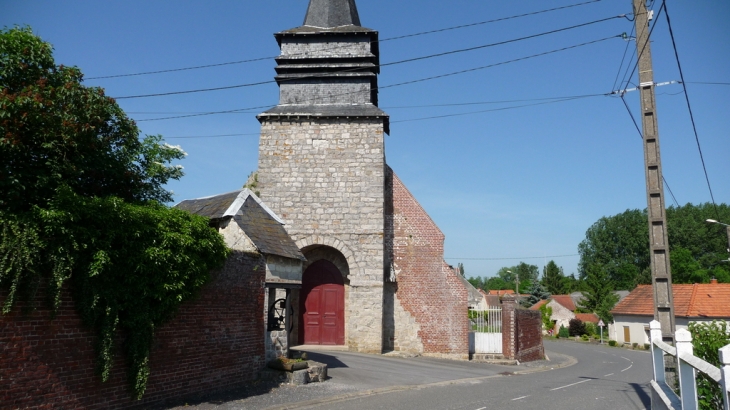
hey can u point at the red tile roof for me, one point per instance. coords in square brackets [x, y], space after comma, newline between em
[502, 292]
[539, 304]
[587, 317]
[708, 300]
[564, 300]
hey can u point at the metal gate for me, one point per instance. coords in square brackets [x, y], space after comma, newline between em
[486, 330]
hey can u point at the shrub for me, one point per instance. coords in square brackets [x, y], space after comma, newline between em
[591, 328]
[707, 338]
[563, 332]
[576, 327]
[585, 338]
[647, 346]
[612, 343]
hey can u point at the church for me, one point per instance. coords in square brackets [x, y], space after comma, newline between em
[374, 279]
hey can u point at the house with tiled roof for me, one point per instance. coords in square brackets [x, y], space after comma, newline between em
[700, 302]
[563, 309]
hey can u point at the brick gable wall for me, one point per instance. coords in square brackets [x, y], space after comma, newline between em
[214, 343]
[426, 287]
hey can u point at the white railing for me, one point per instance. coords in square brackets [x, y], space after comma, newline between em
[663, 397]
[485, 335]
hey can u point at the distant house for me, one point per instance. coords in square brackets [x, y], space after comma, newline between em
[564, 310]
[701, 302]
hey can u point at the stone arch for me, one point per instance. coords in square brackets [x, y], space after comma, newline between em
[332, 249]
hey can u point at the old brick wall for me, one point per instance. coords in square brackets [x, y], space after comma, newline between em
[529, 335]
[324, 178]
[214, 343]
[433, 299]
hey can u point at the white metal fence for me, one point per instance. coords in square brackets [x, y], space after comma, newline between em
[486, 330]
[663, 397]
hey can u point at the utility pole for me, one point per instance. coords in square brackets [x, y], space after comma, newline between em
[661, 276]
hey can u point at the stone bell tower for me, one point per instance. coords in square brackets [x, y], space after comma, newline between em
[322, 170]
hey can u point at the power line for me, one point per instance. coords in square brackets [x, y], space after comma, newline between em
[503, 42]
[628, 43]
[524, 257]
[400, 84]
[380, 65]
[498, 109]
[641, 135]
[706, 83]
[641, 53]
[502, 63]
[382, 40]
[689, 108]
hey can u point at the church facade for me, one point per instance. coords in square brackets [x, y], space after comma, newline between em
[374, 277]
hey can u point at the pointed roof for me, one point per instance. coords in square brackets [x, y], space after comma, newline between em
[258, 222]
[331, 13]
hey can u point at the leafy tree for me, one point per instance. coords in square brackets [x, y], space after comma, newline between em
[460, 268]
[497, 283]
[553, 279]
[707, 339]
[620, 245]
[477, 282]
[527, 274]
[599, 296]
[537, 292]
[576, 327]
[546, 313]
[81, 207]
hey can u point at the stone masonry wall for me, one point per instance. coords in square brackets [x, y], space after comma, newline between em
[351, 46]
[355, 90]
[427, 288]
[214, 343]
[324, 178]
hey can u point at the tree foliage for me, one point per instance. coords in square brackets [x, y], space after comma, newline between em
[553, 279]
[80, 207]
[599, 296]
[619, 244]
[536, 293]
[527, 275]
[576, 327]
[707, 339]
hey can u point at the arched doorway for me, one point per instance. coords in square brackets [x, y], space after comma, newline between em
[322, 305]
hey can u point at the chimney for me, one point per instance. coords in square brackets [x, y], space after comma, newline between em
[713, 281]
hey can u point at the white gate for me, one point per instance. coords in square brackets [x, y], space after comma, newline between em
[486, 330]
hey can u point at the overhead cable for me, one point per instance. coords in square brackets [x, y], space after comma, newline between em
[381, 65]
[402, 83]
[382, 40]
[689, 108]
[641, 135]
[524, 257]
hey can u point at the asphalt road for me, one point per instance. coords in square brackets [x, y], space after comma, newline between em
[579, 376]
[602, 378]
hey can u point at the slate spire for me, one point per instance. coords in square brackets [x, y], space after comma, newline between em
[331, 13]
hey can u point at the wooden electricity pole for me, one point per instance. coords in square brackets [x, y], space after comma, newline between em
[661, 276]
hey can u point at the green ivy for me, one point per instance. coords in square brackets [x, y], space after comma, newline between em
[129, 266]
[707, 339]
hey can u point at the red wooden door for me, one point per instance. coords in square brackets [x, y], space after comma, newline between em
[322, 308]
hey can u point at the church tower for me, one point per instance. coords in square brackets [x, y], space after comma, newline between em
[322, 170]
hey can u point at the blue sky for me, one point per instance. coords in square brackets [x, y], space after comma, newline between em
[516, 184]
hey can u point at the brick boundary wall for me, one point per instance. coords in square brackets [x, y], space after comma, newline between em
[529, 335]
[214, 344]
[521, 332]
[426, 286]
